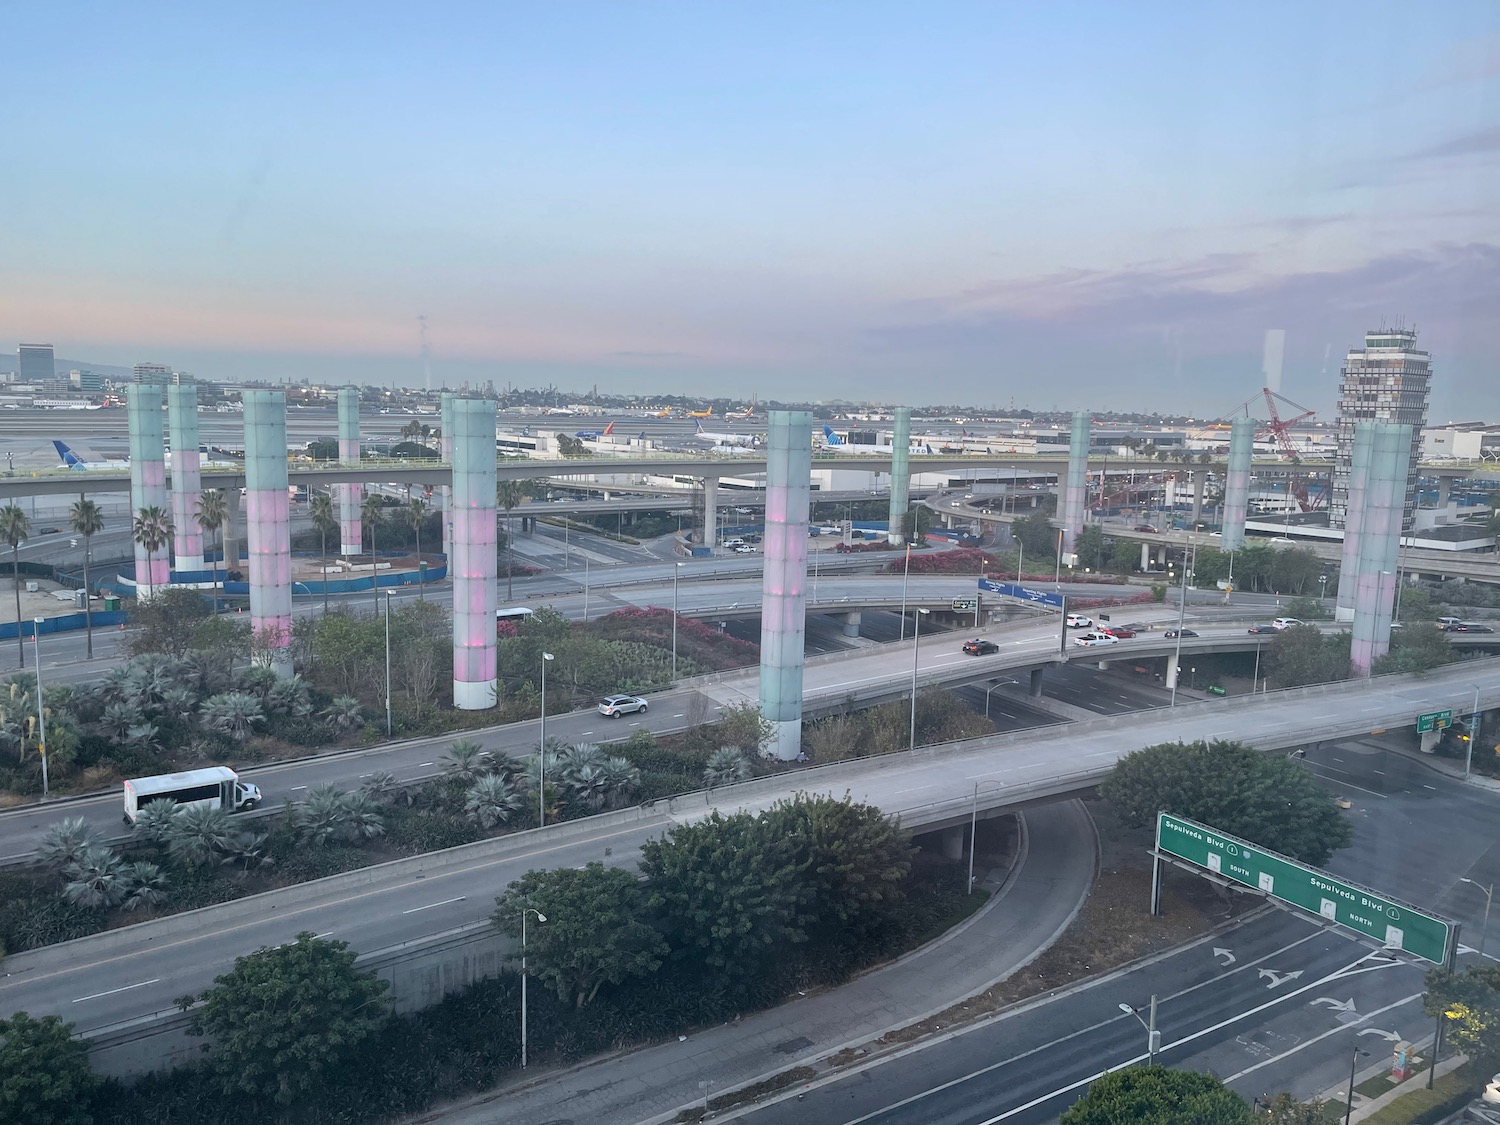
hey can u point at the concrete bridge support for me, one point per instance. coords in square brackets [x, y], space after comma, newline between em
[351, 534]
[268, 528]
[711, 508]
[1170, 681]
[1200, 476]
[901, 475]
[187, 483]
[445, 451]
[1145, 556]
[1237, 483]
[852, 621]
[1380, 544]
[1359, 476]
[1034, 687]
[1075, 484]
[148, 481]
[783, 620]
[472, 562]
[953, 842]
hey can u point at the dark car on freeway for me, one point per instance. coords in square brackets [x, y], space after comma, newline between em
[1123, 632]
[1469, 627]
[1146, 527]
[977, 647]
[1263, 629]
[1173, 634]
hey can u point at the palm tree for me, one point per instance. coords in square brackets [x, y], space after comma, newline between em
[416, 512]
[213, 514]
[325, 816]
[66, 842]
[371, 514]
[466, 760]
[508, 494]
[145, 883]
[727, 765]
[493, 800]
[199, 834]
[95, 879]
[345, 713]
[85, 518]
[15, 527]
[155, 822]
[233, 713]
[324, 520]
[153, 530]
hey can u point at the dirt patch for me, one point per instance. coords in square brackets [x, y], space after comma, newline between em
[1114, 928]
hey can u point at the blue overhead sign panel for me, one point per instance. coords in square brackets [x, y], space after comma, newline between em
[1011, 590]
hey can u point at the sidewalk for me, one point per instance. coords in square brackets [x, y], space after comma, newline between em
[1047, 888]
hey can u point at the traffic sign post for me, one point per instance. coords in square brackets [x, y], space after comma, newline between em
[1391, 922]
[1434, 720]
[965, 605]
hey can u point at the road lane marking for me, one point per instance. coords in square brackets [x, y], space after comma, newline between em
[1325, 1035]
[112, 991]
[421, 764]
[297, 787]
[434, 905]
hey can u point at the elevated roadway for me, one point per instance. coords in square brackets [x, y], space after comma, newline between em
[112, 979]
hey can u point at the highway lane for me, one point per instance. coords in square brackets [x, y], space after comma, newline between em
[1271, 1019]
[376, 908]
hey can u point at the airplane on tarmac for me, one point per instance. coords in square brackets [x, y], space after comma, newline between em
[595, 435]
[733, 441]
[709, 413]
[76, 463]
[739, 416]
[832, 443]
[664, 412]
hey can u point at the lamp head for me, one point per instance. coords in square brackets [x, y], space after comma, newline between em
[547, 656]
[1127, 1009]
[540, 917]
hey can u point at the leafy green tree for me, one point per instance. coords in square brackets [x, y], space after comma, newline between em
[416, 515]
[167, 622]
[1307, 609]
[742, 725]
[284, 1022]
[372, 515]
[595, 933]
[1090, 547]
[1418, 647]
[729, 893]
[853, 858]
[1469, 1004]
[1036, 535]
[1287, 1110]
[1125, 556]
[348, 651]
[15, 527]
[1264, 798]
[1156, 1095]
[1302, 655]
[45, 1078]
[86, 520]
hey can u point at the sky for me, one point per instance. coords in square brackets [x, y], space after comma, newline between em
[1057, 205]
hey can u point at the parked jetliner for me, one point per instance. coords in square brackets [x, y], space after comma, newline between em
[73, 461]
[595, 435]
[832, 443]
[709, 413]
[734, 441]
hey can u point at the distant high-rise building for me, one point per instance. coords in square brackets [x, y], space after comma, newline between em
[85, 380]
[159, 373]
[34, 363]
[1388, 380]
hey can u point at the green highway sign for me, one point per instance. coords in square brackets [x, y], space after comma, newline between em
[1434, 720]
[1388, 921]
[965, 605]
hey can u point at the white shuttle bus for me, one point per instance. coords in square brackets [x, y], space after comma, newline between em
[217, 787]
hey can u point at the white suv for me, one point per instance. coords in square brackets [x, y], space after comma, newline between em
[1286, 622]
[1079, 621]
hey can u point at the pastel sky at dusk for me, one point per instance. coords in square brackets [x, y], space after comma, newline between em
[1075, 205]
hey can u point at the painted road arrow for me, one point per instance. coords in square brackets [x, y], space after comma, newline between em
[1220, 951]
[1335, 1005]
[1278, 979]
[1391, 1036]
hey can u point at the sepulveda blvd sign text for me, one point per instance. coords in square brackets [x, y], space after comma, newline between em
[1390, 922]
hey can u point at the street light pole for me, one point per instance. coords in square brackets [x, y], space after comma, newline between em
[1489, 898]
[974, 825]
[388, 664]
[916, 648]
[1181, 619]
[1057, 578]
[905, 574]
[1153, 1037]
[41, 711]
[541, 751]
[1473, 733]
[992, 687]
[540, 917]
[585, 589]
[1353, 1065]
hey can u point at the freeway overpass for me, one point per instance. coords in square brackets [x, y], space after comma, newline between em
[120, 985]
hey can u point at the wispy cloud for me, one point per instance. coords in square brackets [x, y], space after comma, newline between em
[1479, 143]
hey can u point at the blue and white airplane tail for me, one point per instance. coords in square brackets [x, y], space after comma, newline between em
[697, 425]
[69, 458]
[830, 437]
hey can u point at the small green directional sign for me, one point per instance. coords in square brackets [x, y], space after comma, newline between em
[1388, 921]
[1430, 721]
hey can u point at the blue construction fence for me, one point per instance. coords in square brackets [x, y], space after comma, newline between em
[61, 624]
[125, 584]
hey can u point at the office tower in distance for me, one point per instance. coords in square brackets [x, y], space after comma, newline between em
[34, 364]
[1388, 380]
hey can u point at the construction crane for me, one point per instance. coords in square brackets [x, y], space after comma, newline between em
[1278, 431]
